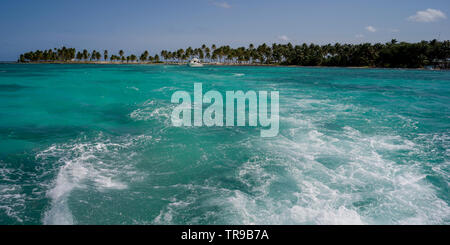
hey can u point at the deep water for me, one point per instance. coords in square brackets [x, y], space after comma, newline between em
[94, 144]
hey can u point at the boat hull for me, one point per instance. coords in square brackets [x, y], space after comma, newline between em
[195, 65]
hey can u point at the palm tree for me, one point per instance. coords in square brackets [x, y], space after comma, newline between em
[98, 56]
[180, 54]
[207, 53]
[93, 54]
[251, 50]
[165, 54]
[85, 54]
[144, 56]
[133, 58]
[189, 52]
[121, 54]
[105, 54]
[201, 55]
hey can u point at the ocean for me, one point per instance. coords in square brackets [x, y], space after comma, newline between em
[94, 144]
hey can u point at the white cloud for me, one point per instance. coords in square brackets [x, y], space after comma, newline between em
[224, 5]
[359, 35]
[429, 15]
[284, 38]
[371, 29]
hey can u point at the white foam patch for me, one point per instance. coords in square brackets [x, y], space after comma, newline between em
[133, 88]
[151, 110]
[178, 207]
[278, 212]
[166, 216]
[343, 179]
[12, 196]
[12, 201]
[100, 163]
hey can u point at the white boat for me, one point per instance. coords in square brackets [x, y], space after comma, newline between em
[195, 63]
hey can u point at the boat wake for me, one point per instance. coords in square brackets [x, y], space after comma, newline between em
[101, 164]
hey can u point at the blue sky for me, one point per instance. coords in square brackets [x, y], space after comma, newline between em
[135, 26]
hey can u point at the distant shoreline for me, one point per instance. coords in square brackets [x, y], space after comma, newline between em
[432, 54]
[206, 64]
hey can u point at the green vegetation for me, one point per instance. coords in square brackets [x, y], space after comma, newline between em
[62, 54]
[390, 55]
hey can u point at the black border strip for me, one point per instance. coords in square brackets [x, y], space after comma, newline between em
[173, 233]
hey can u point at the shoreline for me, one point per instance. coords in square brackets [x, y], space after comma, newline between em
[210, 64]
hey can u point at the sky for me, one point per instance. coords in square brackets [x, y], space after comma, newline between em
[136, 25]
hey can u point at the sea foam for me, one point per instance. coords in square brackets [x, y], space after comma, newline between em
[99, 163]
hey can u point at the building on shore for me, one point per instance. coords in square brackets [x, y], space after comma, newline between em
[441, 63]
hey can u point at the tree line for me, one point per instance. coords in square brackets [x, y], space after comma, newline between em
[69, 55]
[393, 54]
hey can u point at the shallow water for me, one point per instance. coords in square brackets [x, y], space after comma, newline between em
[94, 144]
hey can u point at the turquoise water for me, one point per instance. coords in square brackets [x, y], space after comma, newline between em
[94, 144]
